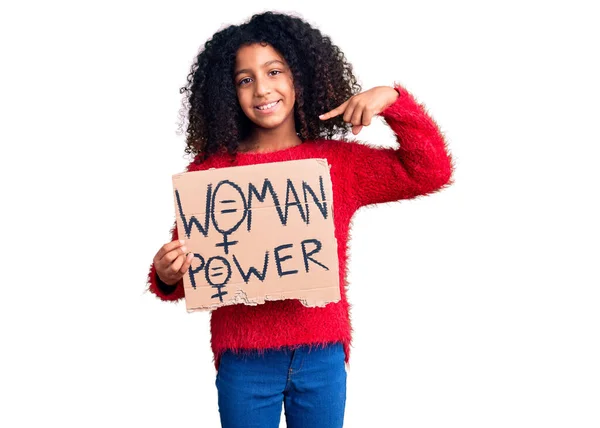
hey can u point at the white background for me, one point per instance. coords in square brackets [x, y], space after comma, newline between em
[491, 317]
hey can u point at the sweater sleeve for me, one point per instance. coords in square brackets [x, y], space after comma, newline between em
[419, 166]
[159, 288]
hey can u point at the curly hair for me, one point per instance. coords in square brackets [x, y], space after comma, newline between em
[322, 77]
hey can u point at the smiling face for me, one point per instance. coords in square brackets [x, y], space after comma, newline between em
[265, 87]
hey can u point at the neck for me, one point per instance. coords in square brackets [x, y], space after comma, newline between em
[270, 140]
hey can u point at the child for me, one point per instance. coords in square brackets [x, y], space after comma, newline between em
[275, 89]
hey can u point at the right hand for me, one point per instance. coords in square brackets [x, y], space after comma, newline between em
[171, 262]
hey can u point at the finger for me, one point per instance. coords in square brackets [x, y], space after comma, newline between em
[167, 248]
[164, 264]
[349, 112]
[357, 116]
[356, 129]
[176, 265]
[172, 255]
[335, 112]
[186, 264]
[367, 117]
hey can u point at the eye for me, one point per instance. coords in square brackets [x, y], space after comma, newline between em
[274, 72]
[244, 81]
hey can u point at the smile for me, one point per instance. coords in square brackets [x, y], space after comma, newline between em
[265, 108]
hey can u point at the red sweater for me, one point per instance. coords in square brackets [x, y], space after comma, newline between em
[360, 175]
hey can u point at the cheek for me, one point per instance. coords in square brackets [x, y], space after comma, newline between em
[291, 91]
[243, 100]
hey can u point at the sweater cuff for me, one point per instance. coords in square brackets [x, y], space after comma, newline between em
[162, 290]
[397, 105]
[166, 289]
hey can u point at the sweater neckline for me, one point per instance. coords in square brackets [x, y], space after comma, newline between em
[273, 153]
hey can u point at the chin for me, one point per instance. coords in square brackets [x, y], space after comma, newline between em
[268, 124]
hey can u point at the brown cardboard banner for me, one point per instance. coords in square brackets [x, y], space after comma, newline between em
[259, 232]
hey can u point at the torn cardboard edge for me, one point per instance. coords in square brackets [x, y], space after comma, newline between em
[240, 297]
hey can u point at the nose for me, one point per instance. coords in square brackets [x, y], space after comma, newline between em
[262, 87]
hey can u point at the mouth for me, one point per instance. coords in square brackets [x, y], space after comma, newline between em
[267, 108]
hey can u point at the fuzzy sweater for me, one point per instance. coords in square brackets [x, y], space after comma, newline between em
[360, 175]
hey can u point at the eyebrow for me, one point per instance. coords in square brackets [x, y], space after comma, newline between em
[266, 64]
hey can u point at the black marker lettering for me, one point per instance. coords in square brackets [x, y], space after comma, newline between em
[290, 188]
[279, 260]
[222, 282]
[307, 256]
[321, 205]
[187, 226]
[267, 185]
[192, 272]
[252, 270]
[226, 243]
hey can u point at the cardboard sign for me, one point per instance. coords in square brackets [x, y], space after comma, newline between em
[259, 232]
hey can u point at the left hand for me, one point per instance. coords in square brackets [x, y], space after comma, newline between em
[360, 109]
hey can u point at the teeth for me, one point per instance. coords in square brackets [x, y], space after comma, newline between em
[267, 106]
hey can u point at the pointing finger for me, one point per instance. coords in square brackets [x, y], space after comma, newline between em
[335, 112]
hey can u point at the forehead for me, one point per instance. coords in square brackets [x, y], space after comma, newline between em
[256, 55]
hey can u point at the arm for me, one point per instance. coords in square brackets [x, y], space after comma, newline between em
[158, 287]
[155, 285]
[419, 166]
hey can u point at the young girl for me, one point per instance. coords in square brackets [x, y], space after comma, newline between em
[275, 89]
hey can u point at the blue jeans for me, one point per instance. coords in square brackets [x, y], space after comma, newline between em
[310, 382]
